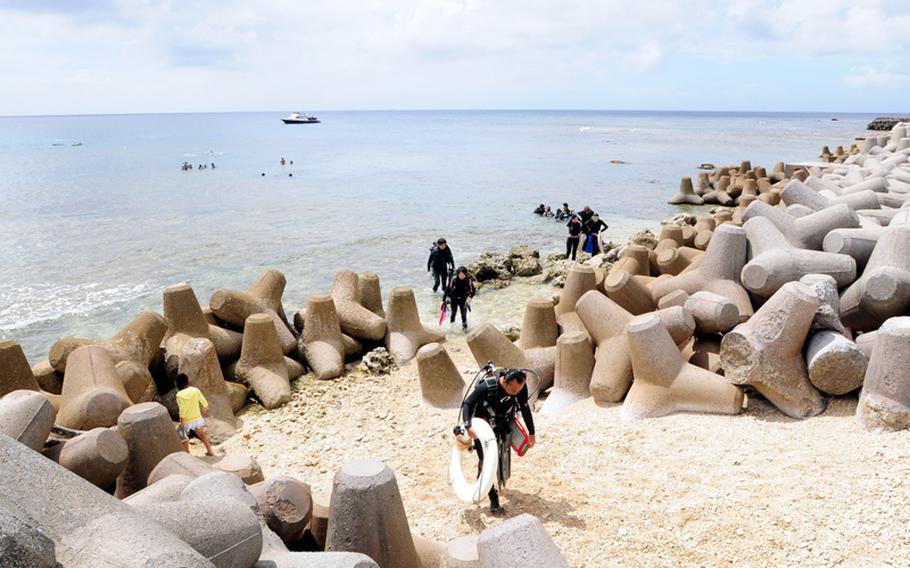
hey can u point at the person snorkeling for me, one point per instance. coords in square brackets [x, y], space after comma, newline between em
[563, 212]
[496, 397]
[460, 292]
[441, 263]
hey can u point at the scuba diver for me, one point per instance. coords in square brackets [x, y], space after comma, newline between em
[591, 228]
[573, 236]
[496, 396]
[460, 292]
[539, 209]
[547, 212]
[441, 263]
[563, 213]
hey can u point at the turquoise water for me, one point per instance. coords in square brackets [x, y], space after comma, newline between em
[98, 218]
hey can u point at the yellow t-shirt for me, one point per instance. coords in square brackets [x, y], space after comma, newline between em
[189, 401]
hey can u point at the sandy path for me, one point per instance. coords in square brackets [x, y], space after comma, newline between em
[753, 490]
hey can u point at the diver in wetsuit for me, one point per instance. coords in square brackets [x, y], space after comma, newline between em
[441, 263]
[495, 398]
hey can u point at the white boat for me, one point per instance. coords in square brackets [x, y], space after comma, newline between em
[298, 118]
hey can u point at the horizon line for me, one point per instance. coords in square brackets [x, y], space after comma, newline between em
[833, 114]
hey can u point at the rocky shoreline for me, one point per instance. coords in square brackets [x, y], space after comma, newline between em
[781, 302]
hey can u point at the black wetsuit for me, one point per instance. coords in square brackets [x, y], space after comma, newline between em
[592, 227]
[572, 239]
[458, 292]
[497, 407]
[441, 262]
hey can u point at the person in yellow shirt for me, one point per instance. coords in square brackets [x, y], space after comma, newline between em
[193, 406]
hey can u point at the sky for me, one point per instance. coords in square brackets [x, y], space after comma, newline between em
[113, 56]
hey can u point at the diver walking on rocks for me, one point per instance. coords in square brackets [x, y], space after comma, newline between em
[496, 397]
[441, 264]
[460, 292]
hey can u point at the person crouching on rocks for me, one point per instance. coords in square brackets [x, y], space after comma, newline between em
[495, 398]
[459, 293]
[441, 263]
[192, 406]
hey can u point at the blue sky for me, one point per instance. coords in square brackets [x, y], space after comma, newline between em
[109, 56]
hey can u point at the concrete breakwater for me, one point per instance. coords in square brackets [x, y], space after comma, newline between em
[886, 122]
[793, 302]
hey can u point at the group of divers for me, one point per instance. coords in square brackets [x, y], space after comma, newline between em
[586, 223]
[186, 166]
[498, 397]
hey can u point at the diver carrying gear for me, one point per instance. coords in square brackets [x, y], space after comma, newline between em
[441, 263]
[496, 397]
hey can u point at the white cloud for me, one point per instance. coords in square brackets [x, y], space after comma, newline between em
[164, 55]
[874, 77]
[646, 57]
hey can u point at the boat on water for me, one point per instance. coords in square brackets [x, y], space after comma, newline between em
[299, 118]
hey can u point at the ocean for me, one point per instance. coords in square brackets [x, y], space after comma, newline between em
[97, 217]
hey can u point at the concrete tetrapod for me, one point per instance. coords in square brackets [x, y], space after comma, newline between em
[775, 261]
[635, 259]
[718, 272]
[166, 489]
[519, 542]
[150, 436]
[185, 321]
[262, 297]
[15, 374]
[97, 456]
[441, 384]
[766, 352]
[713, 313]
[579, 280]
[673, 261]
[261, 364]
[884, 403]
[629, 292]
[199, 361]
[237, 462]
[225, 531]
[49, 380]
[93, 394]
[321, 342]
[665, 383]
[285, 504]
[827, 316]
[109, 539]
[370, 293]
[367, 515]
[538, 328]
[138, 341]
[806, 232]
[836, 364]
[858, 243]
[52, 508]
[798, 192]
[137, 381]
[356, 320]
[686, 194]
[318, 560]
[606, 323]
[179, 464]
[572, 377]
[883, 290]
[24, 545]
[405, 332]
[27, 416]
[489, 344]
